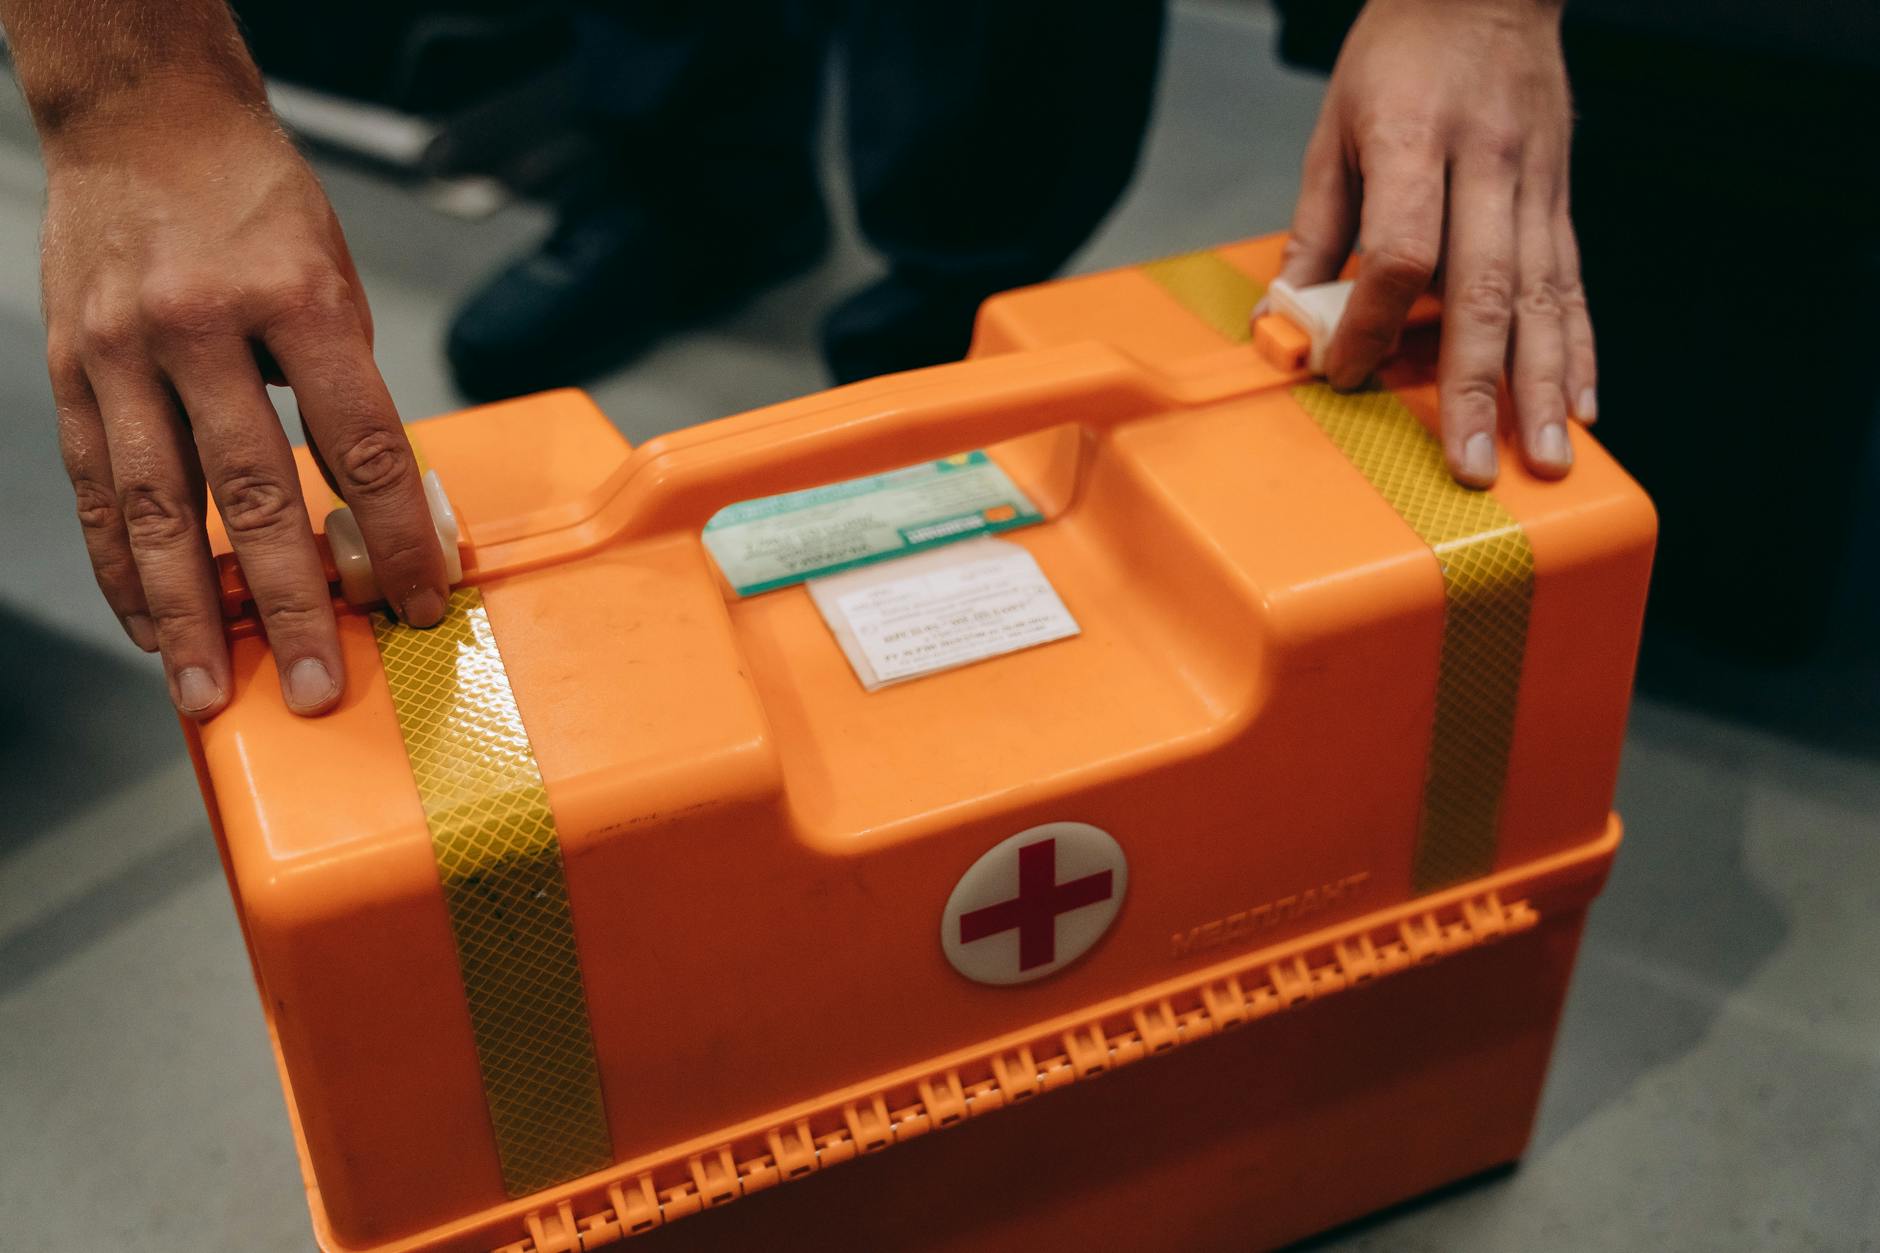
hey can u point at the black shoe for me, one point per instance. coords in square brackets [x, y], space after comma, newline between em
[613, 278]
[900, 323]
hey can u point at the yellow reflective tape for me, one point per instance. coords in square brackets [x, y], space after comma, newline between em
[417, 453]
[1488, 584]
[1212, 289]
[499, 861]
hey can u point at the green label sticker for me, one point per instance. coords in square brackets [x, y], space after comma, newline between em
[779, 541]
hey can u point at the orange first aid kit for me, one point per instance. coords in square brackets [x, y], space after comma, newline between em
[618, 907]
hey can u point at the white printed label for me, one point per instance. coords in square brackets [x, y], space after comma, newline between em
[941, 609]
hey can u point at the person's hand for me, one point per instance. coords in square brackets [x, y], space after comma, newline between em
[1442, 149]
[189, 258]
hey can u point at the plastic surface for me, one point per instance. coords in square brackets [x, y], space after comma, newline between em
[758, 854]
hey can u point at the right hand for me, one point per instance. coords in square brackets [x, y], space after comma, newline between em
[1442, 149]
[189, 255]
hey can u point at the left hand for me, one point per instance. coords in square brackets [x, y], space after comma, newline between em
[1442, 147]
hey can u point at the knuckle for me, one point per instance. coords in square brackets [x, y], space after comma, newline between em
[316, 294]
[63, 364]
[294, 612]
[108, 330]
[405, 553]
[255, 503]
[116, 577]
[176, 620]
[1405, 134]
[97, 505]
[1487, 295]
[1299, 243]
[1539, 299]
[1572, 297]
[175, 307]
[1476, 394]
[375, 463]
[1404, 262]
[1499, 144]
[155, 515]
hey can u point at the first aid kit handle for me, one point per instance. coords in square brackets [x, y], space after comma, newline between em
[678, 482]
[674, 484]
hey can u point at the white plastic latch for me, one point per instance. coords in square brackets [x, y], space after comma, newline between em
[1316, 310]
[356, 582]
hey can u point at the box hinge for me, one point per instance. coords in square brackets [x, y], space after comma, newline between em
[946, 1104]
[715, 1178]
[793, 1149]
[870, 1128]
[635, 1210]
[1157, 1027]
[1016, 1076]
[550, 1231]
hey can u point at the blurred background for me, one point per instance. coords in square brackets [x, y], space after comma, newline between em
[1717, 1082]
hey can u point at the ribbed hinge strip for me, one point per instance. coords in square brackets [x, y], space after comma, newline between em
[794, 1151]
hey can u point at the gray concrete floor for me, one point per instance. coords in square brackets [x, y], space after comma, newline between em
[1717, 1082]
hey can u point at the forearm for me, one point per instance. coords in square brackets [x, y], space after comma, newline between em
[87, 66]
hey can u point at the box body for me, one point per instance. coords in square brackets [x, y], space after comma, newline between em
[757, 853]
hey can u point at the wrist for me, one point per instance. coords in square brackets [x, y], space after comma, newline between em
[138, 121]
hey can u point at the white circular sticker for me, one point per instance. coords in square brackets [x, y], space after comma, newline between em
[1034, 903]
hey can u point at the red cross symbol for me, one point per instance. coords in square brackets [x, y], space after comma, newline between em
[1041, 898]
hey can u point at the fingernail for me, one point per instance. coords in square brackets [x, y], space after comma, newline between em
[309, 684]
[1588, 410]
[142, 633]
[195, 690]
[1551, 446]
[424, 608]
[1478, 458]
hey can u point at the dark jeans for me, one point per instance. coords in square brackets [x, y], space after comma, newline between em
[1728, 206]
[986, 139]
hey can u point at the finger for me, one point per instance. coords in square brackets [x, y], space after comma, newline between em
[1576, 322]
[355, 428]
[1539, 374]
[88, 465]
[1325, 218]
[1402, 234]
[251, 473]
[350, 272]
[1478, 298]
[313, 450]
[160, 497]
